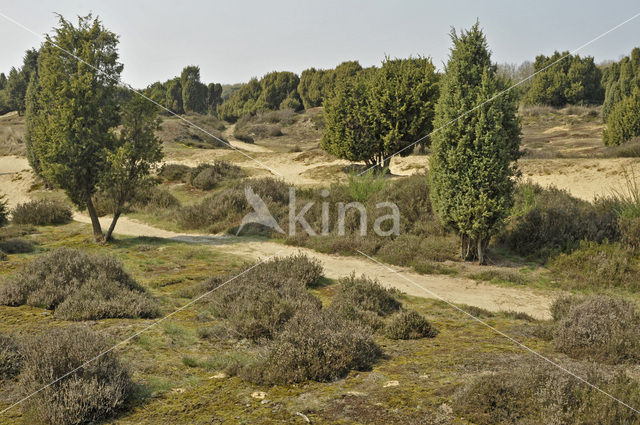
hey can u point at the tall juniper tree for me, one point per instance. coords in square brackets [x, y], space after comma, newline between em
[472, 164]
[76, 109]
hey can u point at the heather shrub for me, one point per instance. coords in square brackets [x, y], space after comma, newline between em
[630, 231]
[16, 246]
[601, 329]
[41, 213]
[364, 301]
[78, 286]
[174, 172]
[596, 265]
[263, 299]
[315, 345]
[537, 393]
[10, 357]
[93, 393]
[561, 305]
[154, 198]
[208, 176]
[547, 221]
[409, 325]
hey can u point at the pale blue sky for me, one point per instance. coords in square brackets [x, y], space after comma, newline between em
[235, 40]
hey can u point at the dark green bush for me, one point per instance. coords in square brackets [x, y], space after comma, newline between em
[78, 286]
[364, 301]
[548, 221]
[10, 358]
[315, 345]
[601, 329]
[91, 394]
[596, 265]
[174, 172]
[409, 325]
[16, 246]
[4, 212]
[623, 121]
[630, 231]
[41, 213]
[537, 393]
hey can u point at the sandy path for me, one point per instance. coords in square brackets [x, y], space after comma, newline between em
[454, 289]
[250, 147]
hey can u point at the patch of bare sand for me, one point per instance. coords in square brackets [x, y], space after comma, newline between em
[15, 179]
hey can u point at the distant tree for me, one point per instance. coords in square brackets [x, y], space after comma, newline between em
[619, 80]
[623, 122]
[572, 80]
[78, 107]
[137, 152]
[3, 81]
[214, 97]
[515, 73]
[16, 90]
[403, 95]
[173, 100]
[156, 92]
[34, 125]
[395, 107]
[241, 102]
[194, 93]
[275, 88]
[349, 129]
[472, 158]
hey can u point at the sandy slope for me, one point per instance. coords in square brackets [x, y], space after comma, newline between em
[15, 179]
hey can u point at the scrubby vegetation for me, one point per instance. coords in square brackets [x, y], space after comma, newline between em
[535, 392]
[208, 176]
[93, 393]
[41, 213]
[597, 328]
[409, 325]
[10, 357]
[78, 286]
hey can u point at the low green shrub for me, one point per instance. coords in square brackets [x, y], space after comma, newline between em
[91, 394]
[155, 198]
[16, 246]
[174, 172]
[545, 222]
[599, 328]
[41, 213]
[315, 345]
[596, 265]
[10, 358]
[208, 176]
[78, 286]
[409, 325]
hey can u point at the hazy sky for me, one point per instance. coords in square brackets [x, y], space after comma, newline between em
[233, 41]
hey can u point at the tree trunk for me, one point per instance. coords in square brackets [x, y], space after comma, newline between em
[116, 216]
[95, 222]
[481, 259]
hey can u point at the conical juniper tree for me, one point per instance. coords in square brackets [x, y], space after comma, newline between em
[472, 162]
